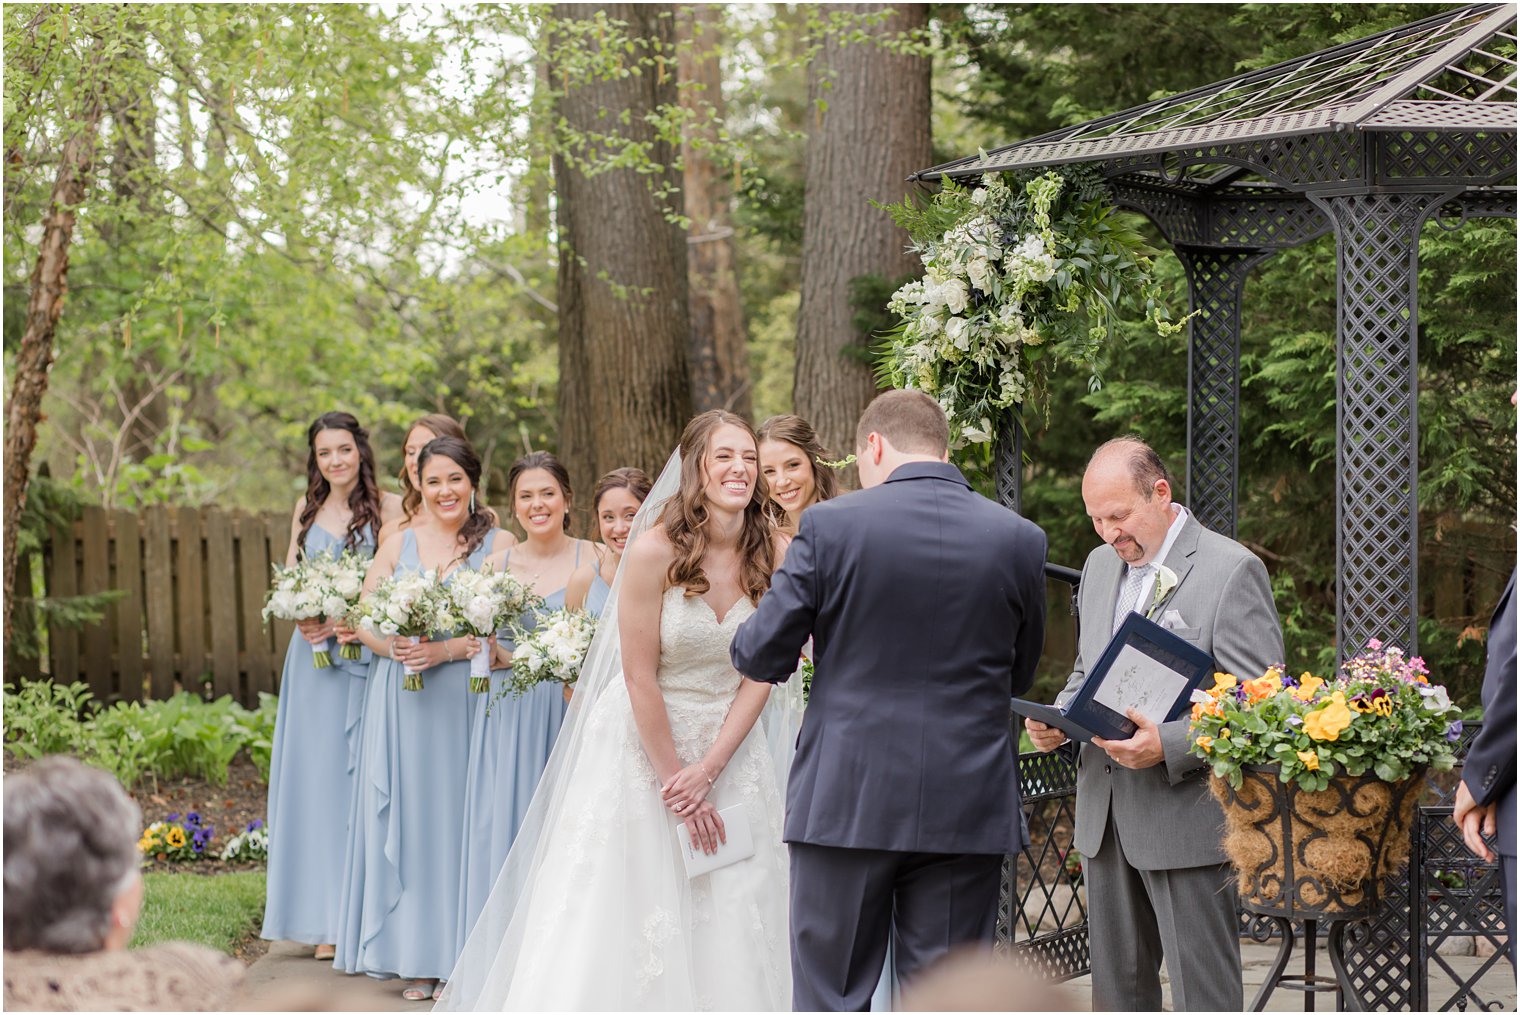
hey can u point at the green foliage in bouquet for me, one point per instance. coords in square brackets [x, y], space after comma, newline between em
[1378, 714]
[1022, 274]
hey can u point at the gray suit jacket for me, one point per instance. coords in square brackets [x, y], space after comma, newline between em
[1165, 816]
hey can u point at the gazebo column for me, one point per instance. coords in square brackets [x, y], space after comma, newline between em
[1008, 460]
[1216, 279]
[1377, 422]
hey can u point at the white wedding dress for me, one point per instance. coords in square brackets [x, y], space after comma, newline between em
[608, 919]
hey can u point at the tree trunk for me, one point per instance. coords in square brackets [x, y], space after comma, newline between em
[49, 283]
[871, 132]
[718, 355]
[624, 394]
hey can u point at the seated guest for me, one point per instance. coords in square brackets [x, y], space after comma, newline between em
[73, 890]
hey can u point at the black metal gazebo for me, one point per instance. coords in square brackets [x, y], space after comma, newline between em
[1370, 139]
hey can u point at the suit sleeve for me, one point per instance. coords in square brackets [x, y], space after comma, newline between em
[1490, 767]
[1078, 667]
[1029, 639]
[1247, 639]
[767, 645]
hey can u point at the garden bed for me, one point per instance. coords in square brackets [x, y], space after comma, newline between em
[228, 808]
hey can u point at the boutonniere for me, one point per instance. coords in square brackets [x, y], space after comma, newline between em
[1166, 581]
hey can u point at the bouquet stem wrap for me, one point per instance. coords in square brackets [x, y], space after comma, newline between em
[320, 657]
[480, 670]
[412, 679]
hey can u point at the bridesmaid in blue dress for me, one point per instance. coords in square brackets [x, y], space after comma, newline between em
[613, 504]
[510, 745]
[398, 915]
[310, 772]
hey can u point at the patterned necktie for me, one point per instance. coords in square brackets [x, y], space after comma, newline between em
[1129, 593]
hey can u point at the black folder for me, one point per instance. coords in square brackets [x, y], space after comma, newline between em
[1085, 717]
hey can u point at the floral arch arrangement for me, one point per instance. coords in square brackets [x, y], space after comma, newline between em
[1021, 273]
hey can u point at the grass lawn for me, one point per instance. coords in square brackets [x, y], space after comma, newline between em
[220, 911]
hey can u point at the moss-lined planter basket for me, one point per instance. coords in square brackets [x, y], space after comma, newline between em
[1309, 854]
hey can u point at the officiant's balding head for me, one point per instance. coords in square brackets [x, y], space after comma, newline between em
[896, 428]
[1128, 495]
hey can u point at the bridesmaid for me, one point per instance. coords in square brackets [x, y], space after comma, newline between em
[398, 913]
[614, 503]
[510, 746]
[310, 778]
[424, 429]
[790, 461]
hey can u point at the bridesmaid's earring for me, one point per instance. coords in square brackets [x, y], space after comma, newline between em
[472, 502]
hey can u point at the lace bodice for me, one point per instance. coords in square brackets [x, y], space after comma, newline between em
[694, 664]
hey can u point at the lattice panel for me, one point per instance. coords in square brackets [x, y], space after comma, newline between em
[1376, 458]
[1276, 222]
[1481, 204]
[1470, 158]
[1008, 461]
[1042, 912]
[1215, 281]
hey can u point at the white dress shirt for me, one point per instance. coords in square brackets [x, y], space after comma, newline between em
[1147, 587]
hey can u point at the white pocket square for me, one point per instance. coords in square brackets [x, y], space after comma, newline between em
[1172, 620]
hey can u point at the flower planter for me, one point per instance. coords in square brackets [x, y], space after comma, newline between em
[1309, 854]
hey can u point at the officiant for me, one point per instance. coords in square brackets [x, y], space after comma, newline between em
[1146, 826]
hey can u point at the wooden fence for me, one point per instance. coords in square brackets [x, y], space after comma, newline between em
[194, 579]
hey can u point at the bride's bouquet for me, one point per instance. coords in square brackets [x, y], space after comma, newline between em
[484, 600]
[310, 590]
[410, 606]
[554, 650]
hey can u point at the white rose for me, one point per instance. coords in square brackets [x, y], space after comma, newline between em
[397, 611]
[977, 270]
[955, 295]
[979, 196]
[958, 331]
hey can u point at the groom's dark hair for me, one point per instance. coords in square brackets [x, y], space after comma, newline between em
[911, 420]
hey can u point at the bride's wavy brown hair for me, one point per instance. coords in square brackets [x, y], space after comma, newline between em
[685, 515]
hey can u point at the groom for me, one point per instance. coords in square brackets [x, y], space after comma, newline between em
[926, 605]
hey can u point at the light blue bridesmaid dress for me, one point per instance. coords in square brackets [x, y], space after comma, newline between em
[311, 779]
[508, 751]
[399, 915]
[597, 595]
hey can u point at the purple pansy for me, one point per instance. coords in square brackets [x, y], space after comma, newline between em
[1454, 731]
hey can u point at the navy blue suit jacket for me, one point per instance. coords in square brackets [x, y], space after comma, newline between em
[1490, 768]
[926, 605]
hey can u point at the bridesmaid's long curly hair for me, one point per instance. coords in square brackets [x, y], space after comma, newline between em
[685, 515]
[799, 432]
[481, 519]
[438, 425]
[363, 500]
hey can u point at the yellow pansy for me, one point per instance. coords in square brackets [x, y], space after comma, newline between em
[175, 838]
[1310, 760]
[1307, 685]
[1327, 722]
[1205, 742]
[1223, 682]
[1383, 706]
[1224, 734]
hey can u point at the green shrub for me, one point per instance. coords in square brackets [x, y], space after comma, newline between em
[46, 718]
[183, 736]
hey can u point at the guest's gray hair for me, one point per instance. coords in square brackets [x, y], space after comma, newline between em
[1145, 466]
[70, 850]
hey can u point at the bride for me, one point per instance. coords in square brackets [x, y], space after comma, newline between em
[593, 909]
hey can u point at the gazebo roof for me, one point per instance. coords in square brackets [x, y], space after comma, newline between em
[1452, 74]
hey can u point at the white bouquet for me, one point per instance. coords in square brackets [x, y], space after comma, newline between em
[343, 578]
[554, 650]
[408, 605]
[303, 592]
[483, 601]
